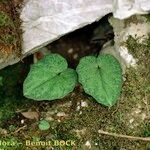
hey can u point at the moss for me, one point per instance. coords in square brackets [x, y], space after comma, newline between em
[146, 132]
[11, 143]
[4, 1]
[5, 20]
[140, 51]
[136, 88]
[8, 39]
[6, 110]
[148, 17]
[64, 130]
[136, 48]
[135, 19]
[1, 81]
[11, 91]
[148, 146]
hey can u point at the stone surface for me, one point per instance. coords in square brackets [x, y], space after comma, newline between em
[47, 20]
[126, 8]
[139, 29]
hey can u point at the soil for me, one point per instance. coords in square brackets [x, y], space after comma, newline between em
[77, 117]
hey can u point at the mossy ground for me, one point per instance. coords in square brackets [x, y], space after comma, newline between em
[80, 125]
[137, 19]
[10, 41]
[78, 122]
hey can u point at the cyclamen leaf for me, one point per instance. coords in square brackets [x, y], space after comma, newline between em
[101, 78]
[50, 79]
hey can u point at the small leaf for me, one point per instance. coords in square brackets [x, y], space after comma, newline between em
[101, 78]
[44, 125]
[50, 79]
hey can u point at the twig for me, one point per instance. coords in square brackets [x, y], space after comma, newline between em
[21, 128]
[118, 103]
[8, 134]
[146, 103]
[125, 136]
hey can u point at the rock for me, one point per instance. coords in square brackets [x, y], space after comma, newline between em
[88, 144]
[126, 8]
[84, 104]
[47, 20]
[137, 27]
[61, 114]
[44, 21]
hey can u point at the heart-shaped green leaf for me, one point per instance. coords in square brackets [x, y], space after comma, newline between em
[101, 78]
[50, 79]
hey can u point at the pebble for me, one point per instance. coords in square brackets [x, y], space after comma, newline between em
[78, 108]
[49, 118]
[88, 144]
[96, 144]
[131, 120]
[70, 51]
[50, 113]
[75, 56]
[137, 111]
[80, 113]
[61, 114]
[22, 121]
[84, 104]
[143, 116]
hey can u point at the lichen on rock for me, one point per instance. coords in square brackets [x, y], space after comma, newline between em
[134, 36]
[137, 27]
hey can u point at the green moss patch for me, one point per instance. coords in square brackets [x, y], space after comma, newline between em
[10, 34]
[7, 39]
[5, 20]
[136, 88]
